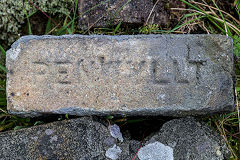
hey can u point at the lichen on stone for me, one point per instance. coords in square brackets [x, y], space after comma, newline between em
[13, 15]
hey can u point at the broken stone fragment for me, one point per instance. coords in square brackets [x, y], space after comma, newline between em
[80, 138]
[102, 13]
[170, 75]
[86, 139]
[187, 139]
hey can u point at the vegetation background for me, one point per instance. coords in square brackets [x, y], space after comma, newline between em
[200, 16]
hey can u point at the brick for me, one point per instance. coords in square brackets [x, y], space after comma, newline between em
[170, 75]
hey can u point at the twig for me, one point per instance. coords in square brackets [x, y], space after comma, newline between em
[219, 19]
[225, 138]
[139, 147]
[151, 13]
[219, 10]
[43, 12]
[184, 9]
[233, 135]
[54, 28]
[94, 24]
[205, 28]
[3, 111]
[237, 110]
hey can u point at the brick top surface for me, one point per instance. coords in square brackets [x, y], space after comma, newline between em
[171, 75]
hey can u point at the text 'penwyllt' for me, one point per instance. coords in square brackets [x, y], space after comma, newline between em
[171, 75]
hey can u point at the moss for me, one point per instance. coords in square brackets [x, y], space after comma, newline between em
[13, 15]
[148, 29]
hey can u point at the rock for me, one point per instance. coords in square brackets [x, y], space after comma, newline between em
[189, 140]
[170, 75]
[157, 151]
[101, 13]
[86, 139]
[81, 138]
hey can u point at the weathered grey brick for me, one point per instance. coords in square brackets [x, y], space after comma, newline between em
[171, 75]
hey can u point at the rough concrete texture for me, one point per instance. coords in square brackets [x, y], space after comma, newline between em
[102, 13]
[170, 75]
[189, 140]
[79, 139]
[87, 139]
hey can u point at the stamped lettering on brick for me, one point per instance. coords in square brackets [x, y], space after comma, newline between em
[171, 75]
[63, 72]
[177, 71]
[41, 68]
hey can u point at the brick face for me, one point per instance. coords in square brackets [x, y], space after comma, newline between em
[172, 75]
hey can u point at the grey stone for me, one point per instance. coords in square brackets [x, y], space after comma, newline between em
[87, 139]
[79, 139]
[103, 13]
[170, 75]
[189, 139]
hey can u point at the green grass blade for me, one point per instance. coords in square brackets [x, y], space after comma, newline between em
[30, 14]
[64, 23]
[2, 99]
[28, 21]
[28, 24]
[3, 69]
[2, 50]
[119, 10]
[188, 22]
[195, 7]
[237, 7]
[219, 27]
[48, 26]
[18, 127]
[2, 82]
[65, 27]
[74, 15]
[3, 103]
[190, 15]
[116, 29]
[182, 19]
[62, 30]
[236, 51]
[225, 24]
[232, 27]
[38, 123]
